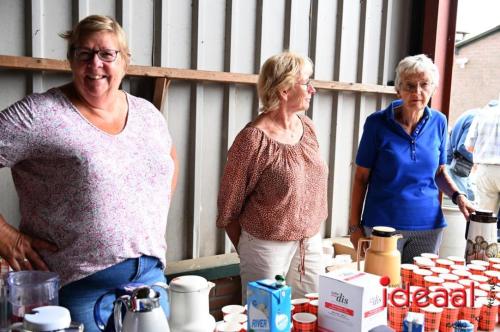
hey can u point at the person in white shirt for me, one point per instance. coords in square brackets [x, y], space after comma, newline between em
[483, 139]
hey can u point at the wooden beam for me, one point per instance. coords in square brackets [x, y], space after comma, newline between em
[160, 93]
[53, 65]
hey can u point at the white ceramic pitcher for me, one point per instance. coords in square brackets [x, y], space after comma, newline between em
[189, 304]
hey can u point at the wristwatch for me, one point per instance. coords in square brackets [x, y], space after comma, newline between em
[455, 196]
[353, 228]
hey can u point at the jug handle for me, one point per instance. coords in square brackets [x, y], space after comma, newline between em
[117, 312]
[101, 325]
[358, 251]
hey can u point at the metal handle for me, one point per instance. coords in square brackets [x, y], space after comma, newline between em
[360, 241]
[117, 312]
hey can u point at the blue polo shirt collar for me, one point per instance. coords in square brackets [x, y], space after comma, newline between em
[389, 114]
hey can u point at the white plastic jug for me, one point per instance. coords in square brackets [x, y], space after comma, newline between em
[189, 304]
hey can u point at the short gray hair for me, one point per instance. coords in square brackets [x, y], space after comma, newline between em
[415, 64]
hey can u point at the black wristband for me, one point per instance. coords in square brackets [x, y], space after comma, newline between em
[353, 228]
[455, 196]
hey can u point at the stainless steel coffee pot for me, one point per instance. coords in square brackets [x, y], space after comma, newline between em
[144, 312]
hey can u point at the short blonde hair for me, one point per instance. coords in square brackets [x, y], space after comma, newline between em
[279, 72]
[415, 64]
[92, 24]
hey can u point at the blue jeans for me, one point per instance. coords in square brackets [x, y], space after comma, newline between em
[80, 296]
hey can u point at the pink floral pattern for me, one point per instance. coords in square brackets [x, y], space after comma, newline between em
[100, 198]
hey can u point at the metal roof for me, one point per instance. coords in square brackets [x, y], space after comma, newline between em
[478, 37]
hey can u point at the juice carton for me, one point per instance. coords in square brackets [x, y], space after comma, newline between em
[269, 306]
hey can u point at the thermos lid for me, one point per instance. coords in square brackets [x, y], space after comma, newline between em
[483, 216]
[48, 318]
[383, 231]
[188, 284]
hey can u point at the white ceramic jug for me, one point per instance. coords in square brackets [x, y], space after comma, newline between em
[189, 304]
[144, 312]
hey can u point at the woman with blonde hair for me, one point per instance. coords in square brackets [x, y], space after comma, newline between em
[79, 153]
[273, 193]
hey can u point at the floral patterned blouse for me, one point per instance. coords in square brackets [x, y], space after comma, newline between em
[100, 198]
[275, 191]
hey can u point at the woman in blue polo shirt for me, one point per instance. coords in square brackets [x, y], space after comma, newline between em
[401, 165]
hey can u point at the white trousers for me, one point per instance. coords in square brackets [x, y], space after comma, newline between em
[488, 186]
[263, 259]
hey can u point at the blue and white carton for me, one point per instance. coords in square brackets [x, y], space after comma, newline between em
[269, 306]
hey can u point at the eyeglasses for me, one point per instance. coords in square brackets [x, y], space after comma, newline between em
[87, 54]
[413, 87]
[307, 84]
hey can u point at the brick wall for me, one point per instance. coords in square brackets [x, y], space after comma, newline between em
[479, 81]
[226, 291]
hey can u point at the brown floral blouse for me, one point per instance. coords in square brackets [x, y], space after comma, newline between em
[276, 191]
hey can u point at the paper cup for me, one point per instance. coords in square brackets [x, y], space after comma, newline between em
[300, 305]
[432, 316]
[423, 263]
[476, 269]
[229, 327]
[407, 273]
[449, 277]
[432, 281]
[458, 267]
[480, 293]
[493, 276]
[497, 297]
[304, 322]
[480, 262]
[446, 263]
[479, 278]
[312, 296]
[493, 260]
[462, 274]
[471, 314]
[236, 318]
[488, 313]
[418, 276]
[457, 260]
[232, 309]
[467, 283]
[448, 317]
[396, 316]
[431, 256]
[312, 307]
[436, 270]
[416, 306]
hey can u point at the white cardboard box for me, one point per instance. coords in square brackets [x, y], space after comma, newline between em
[350, 301]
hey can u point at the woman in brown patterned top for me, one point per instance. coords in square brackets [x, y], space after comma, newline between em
[273, 194]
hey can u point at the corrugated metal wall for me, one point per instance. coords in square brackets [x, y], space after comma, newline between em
[349, 41]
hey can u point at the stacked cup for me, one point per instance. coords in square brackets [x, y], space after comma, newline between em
[407, 273]
[488, 313]
[300, 305]
[304, 322]
[396, 310]
[432, 316]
